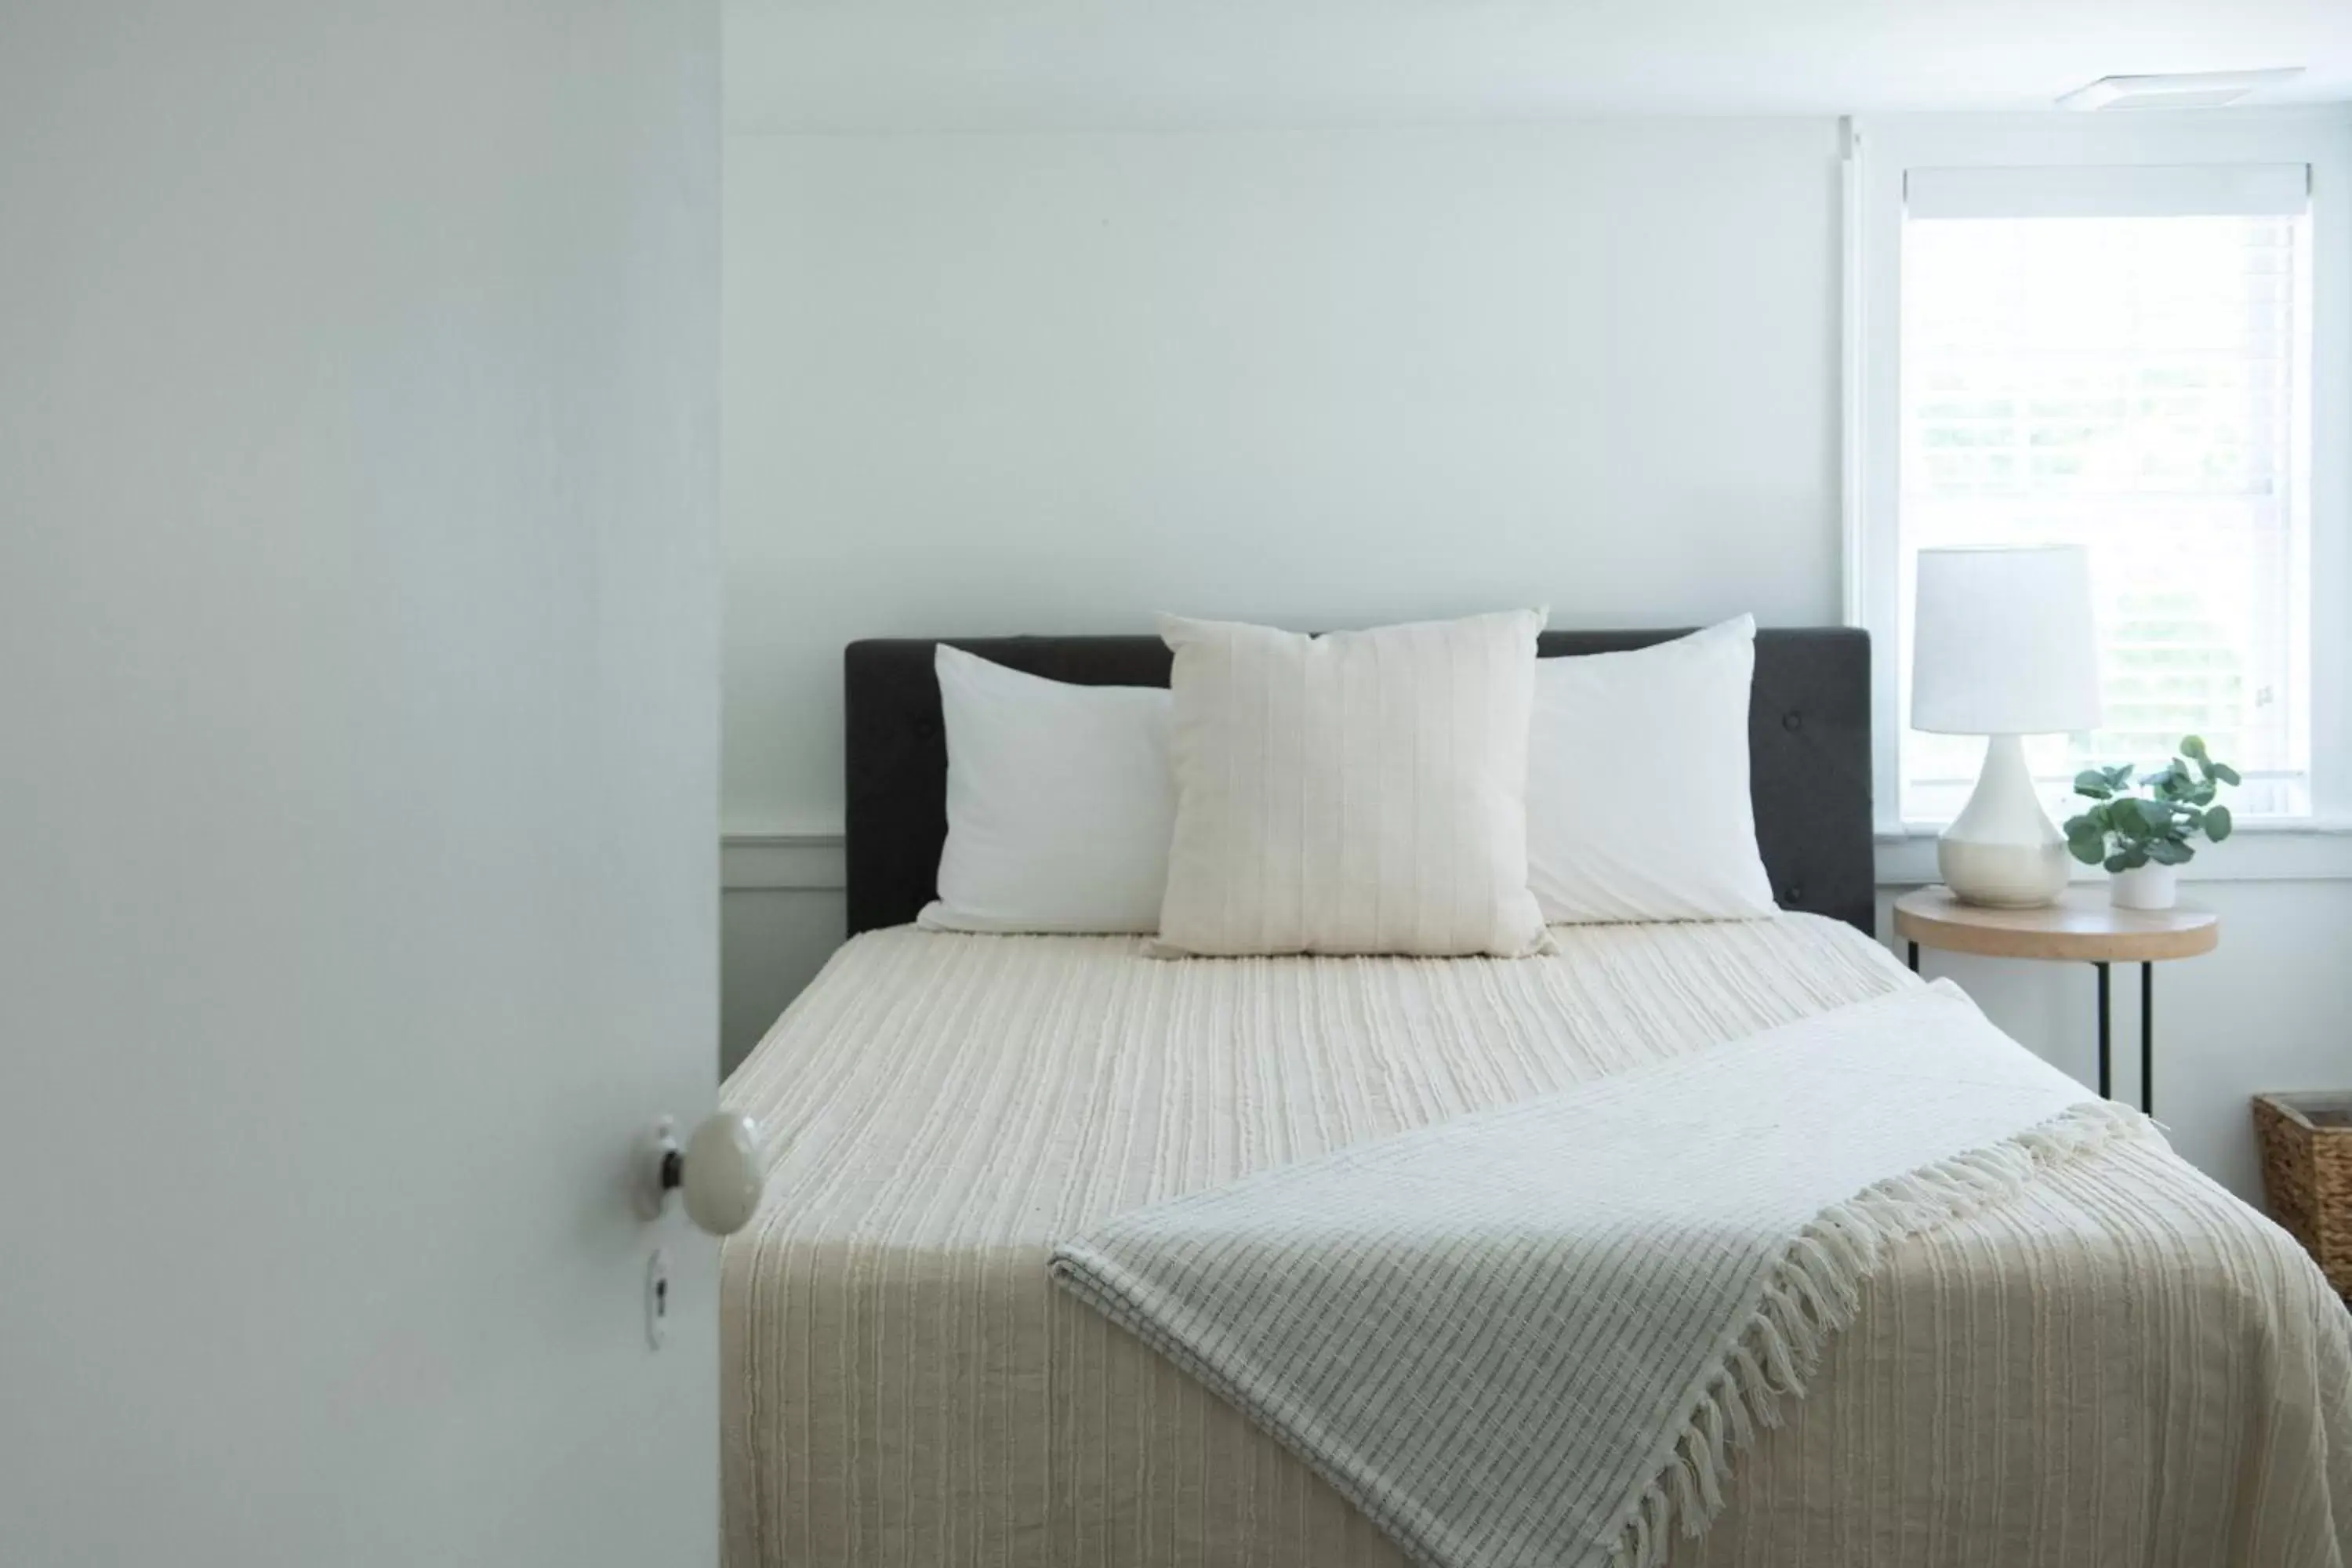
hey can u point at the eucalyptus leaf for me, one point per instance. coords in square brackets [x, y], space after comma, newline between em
[2140, 817]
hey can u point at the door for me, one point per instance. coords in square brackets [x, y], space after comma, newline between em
[358, 838]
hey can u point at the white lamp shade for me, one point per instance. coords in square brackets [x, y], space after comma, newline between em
[2003, 642]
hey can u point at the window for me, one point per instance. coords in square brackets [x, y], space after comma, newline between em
[2139, 382]
[2118, 353]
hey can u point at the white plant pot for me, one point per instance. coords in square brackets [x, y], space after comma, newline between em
[2148, 887]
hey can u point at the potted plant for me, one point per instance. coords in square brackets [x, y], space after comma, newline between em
[2141, 833]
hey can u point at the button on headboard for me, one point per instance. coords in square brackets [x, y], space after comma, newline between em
[1808, 739]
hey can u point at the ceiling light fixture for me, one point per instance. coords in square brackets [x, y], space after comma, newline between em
[2182, 90]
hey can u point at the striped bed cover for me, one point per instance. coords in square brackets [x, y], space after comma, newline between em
[2122, 1365]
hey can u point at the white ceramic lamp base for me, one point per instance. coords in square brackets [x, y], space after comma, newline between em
[2003, 849]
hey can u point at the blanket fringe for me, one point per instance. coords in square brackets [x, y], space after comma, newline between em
[1812, 1292]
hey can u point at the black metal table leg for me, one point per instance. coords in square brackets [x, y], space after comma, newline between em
[2148, 1037]
[1915, 958]
[2105, 1042]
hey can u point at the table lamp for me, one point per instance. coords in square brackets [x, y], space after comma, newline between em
[2003, 645]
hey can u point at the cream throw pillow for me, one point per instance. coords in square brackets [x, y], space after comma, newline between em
[1360, 792]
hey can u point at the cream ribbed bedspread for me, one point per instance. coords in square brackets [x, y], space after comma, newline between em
[2122, 1365]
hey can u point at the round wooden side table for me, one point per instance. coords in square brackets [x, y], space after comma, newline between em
[2081, 927]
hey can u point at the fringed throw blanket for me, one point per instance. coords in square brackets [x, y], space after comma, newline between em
[1538, 1335]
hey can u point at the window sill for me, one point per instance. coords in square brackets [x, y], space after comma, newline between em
[2278, 850]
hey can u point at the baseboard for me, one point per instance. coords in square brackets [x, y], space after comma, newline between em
[797, 862]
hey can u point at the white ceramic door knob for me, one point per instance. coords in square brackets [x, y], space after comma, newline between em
[719, 1171]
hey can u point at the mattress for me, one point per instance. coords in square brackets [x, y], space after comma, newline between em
[2125, 1365]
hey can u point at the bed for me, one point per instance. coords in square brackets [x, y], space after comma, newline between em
[2122, 1365]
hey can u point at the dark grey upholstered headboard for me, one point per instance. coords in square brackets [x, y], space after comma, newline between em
[1808, 736]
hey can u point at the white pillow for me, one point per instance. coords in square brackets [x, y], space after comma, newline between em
[1637, 784]
[1059, 802]
[1362, 792]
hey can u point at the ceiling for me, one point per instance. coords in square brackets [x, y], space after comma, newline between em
[883, 65]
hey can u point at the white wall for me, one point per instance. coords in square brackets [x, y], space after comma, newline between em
[358, 779]
[1053, 383]
[1015, 382]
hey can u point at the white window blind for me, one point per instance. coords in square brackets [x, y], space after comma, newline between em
[2121, 358]
[2186, 190]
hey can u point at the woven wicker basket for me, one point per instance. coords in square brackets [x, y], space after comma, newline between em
[2307, 1175]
